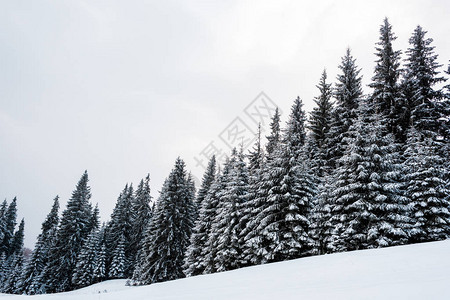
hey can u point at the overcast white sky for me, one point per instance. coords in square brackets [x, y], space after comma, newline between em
[121, 88]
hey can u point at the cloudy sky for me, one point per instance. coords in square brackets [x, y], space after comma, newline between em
[121, 88]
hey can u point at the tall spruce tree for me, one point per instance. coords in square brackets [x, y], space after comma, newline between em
[295, 131]
[319, 126]
[348, 94]
[83, 274]
[10, 222]
[274, 137]
[386, 97]
[39, 256]
[320, 122]
[141, 213]
[3, 208]
[368, 209]
[99, 270]
[197, 253]
[427, 188]
[282, 223]
[121, 225]
[17, 242]
[32, 276]
[119, 262]
[12, 280]
[202, 224]
[250, 208]
[258, 188]
[207, 180]
[421, 77]
[256, 155]
[74, 228]
[192, 194]
[227, 225]
[169, 230]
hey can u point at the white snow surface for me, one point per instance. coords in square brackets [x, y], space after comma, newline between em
[406, 272]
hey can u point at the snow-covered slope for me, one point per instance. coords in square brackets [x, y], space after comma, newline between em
[407, 272]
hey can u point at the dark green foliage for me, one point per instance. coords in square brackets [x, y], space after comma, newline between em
[76, 222]
[121, 225]
[17, 242]
[198, 252]
[427, 188]
[141, 214]
[274, 138]
[119, 263]
[421, 77]
[84, 272]
[169, 231]
[33, 270]
[386, 97]
[281, 226]
[319, 126]
[256, 155]
[367, 208]
[207, 180]
[9, 221]
[295, 133]
[227, 226]
[347, 93]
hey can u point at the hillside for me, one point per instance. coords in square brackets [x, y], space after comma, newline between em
[406, 272]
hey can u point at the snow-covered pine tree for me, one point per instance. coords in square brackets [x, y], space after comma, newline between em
[33, 275]
[3, 269]
[426, 102]
[207, 180]
[84, 271]
[119, 262]
[249, 209]
[95, 218]
[258, 189]
[12, 277]
[169, 230]
[274, 138]
[13, 283]
[295, 131]
[386, 97]
[208, 253]
[256, 155]
[347, 93]
[197, 253]
[282, 225]
[321, 228]
[73, 229]
[192, 195]
[3, 208]
[427, 189]
[206, 205]
[17, 242]
[320, 122]
[121, 224]
[445, 125]
[368, 209]
[10, 221]
[226, 225]
[319, 126]
[141, 213]
[99, 270]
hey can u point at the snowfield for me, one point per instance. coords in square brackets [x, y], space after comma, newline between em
[407, 272]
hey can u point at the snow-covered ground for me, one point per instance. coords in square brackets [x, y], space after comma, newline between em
[407, 272]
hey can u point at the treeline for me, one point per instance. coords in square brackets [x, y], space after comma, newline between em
[361, 172]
